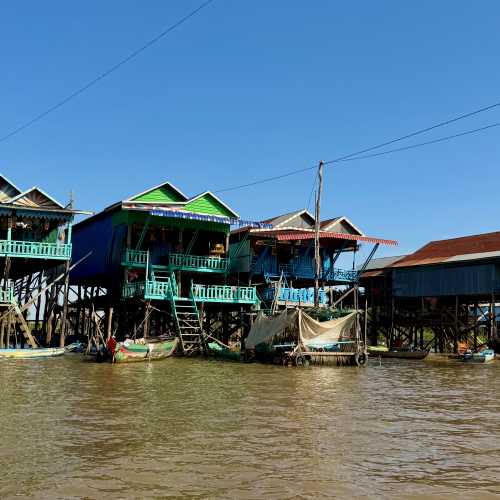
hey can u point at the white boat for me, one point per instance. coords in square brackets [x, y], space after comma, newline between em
[482, 357]
[42, 352]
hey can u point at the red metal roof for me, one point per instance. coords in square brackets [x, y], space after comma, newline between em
[309, 235]
[440, 251]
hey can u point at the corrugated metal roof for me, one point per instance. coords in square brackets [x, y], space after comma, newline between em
[278, 219]
[383, 262]
[473, 247]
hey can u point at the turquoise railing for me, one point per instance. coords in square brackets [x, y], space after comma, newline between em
[159, 290]
[222, 293]
[198, 263]
[134, 258]
[173, 285]
[35, 249]
[151, 290]
[7, 295]
[134, 289]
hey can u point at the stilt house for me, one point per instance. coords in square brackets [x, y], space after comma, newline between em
[440, 296]
[35, 238]
[166, 250]
[281, 260]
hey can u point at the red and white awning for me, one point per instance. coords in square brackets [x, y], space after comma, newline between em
[309, 235]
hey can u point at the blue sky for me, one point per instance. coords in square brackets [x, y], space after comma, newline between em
[246, 90]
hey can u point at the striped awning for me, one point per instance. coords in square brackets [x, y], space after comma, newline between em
[182, 214]
[309, 235]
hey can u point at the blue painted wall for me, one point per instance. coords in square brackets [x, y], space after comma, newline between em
[434, 281]
[105, 241]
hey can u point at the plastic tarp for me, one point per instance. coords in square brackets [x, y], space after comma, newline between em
[271, 329]
[325, 332]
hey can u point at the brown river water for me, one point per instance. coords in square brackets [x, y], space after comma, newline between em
[192, 428]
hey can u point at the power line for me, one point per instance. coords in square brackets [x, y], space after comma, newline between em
[412, 146]
[106, 73]
[418, 132]
[354, 156]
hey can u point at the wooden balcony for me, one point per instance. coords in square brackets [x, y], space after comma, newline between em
[225, 294]
[134, 258]
[35, 250]
[135, 289]
[197, 263]
[166, 289]
[343, 275]
[298, 296]
[149, 290]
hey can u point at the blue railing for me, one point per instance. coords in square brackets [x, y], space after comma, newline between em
[295, 295]
[342, 275]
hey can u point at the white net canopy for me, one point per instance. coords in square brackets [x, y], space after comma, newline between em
[297, 325]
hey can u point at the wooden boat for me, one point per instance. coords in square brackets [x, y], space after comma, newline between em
[383, 352]
[139, 350]
[222, 352]
[484, 356]
[42, 352]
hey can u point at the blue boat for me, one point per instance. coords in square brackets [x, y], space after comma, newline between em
[485, 356]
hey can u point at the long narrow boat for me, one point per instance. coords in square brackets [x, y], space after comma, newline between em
[399, 354]
[129, 352]
[42, 352]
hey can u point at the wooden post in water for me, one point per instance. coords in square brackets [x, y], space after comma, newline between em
[317, 222]
[62, 338]
[109, 322]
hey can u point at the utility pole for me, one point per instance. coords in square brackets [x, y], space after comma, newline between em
[316, 234]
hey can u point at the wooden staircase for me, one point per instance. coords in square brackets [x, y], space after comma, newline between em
[188, 323]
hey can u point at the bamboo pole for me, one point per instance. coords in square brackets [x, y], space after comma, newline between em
[317, 223]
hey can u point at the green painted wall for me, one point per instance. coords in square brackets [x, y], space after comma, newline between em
[207, 204]
[163, 194]
[131, 217]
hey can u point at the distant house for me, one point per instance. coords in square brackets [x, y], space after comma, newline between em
[468, 265]
[449, 287]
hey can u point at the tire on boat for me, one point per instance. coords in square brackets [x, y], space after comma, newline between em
[301, 360]
[360, 359]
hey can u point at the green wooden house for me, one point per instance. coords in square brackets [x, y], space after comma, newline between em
[161, 246]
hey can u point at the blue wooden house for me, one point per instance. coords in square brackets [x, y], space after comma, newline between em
[285, 255]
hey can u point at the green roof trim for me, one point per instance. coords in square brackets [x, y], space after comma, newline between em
[208, 203]
[165, 193]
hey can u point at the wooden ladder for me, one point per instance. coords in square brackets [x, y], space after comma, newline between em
[189, 330]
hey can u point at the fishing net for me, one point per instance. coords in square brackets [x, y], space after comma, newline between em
[301, 327]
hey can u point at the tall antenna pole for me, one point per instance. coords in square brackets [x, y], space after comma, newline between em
[316, 234]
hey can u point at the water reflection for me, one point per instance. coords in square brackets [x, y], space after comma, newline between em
[203, 428]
